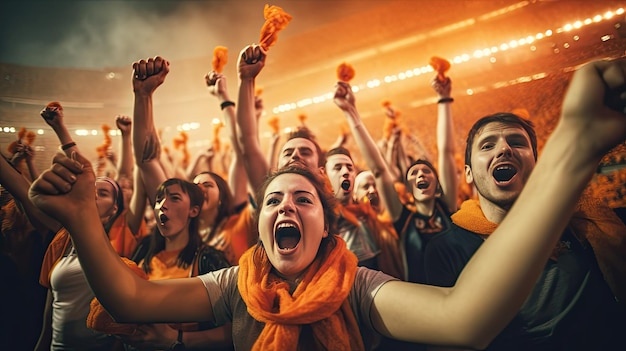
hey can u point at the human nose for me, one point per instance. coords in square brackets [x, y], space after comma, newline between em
[504, 149]
[160, 205]
[286, 206]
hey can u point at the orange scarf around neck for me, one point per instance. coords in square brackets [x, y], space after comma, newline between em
[320, 300]
[471, 217]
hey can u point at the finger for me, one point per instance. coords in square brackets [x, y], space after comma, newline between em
[52, 183]
[42, 186]
[73, 166]
[140, 70]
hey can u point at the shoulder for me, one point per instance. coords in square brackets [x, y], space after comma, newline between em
[368, 281]
[220, 278]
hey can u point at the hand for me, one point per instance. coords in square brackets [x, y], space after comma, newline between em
[217, 85]
[53, 114]
[152, 336]
[149, 74]
[594, 108]
[251, 61]
[28, 152]
[344, 97]
[124, 124]
[66, 189]
[443, 88]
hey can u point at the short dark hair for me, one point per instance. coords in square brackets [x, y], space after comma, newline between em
[339, 150]
[501, 117]
[429, 165]
[306, 133]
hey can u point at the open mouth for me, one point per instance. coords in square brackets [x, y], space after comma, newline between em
[163, 218]
[373, 199]
[504, 173]
[422, 184]
[345, 185]
[287, 236]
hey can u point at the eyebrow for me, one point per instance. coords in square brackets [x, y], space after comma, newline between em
[295, 192]
[491, 137]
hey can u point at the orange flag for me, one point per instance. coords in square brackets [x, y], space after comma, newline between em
[275, 20]
[220, 58]
[274, 123]
[345, 72]
[440, 65]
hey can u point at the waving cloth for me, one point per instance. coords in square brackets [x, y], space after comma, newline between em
[440, 65]
[345, 72]
[320, 300]
[220, 58]
[275, 20]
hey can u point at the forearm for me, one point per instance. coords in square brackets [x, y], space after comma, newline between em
[219, 337]
[62, 133]
[516, 253]
[31, 169]
[112, 282]
[143, 140]
[271, 151]
[125, 162]
[18, 187]
[375, 162]
[446, 154]
[253, 159]
[372, 155]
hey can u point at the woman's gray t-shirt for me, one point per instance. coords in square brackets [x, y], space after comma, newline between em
[227, 304]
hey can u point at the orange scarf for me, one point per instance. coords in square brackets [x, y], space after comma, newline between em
[470, 216]
[320, 300]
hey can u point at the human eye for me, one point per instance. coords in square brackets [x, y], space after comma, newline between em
[519, 142]
[304, 199]
[272, 201]
[487, 146]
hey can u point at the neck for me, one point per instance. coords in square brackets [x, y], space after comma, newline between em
[493, 212]
[177, 241]
[207, 218]
[425, 208]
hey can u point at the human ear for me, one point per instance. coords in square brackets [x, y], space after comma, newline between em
[469, 177]
[194, 211]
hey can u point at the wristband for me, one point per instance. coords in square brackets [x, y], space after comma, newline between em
[227, 103]
[68, 145]
[444, 100]
[178, 345]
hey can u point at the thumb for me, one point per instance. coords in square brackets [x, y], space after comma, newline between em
[86, 165]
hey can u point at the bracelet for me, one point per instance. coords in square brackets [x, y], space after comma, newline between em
[444, 100]
[227, 103]
[68, 145]
[178, 345]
